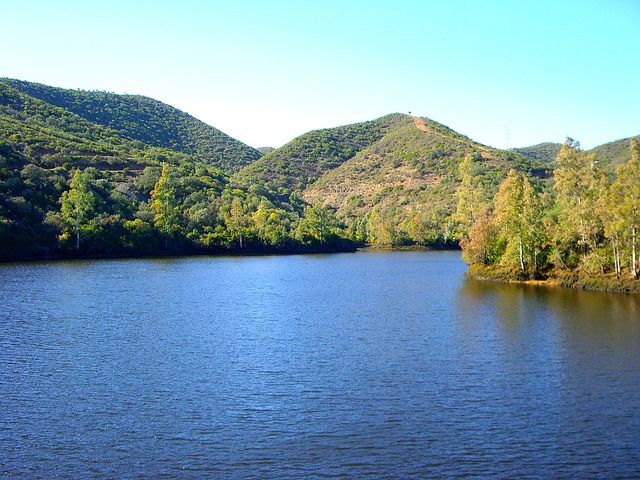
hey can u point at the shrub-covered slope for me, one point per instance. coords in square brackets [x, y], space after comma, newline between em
[306, 158]
[614, 153]
[401, 189]
[51, 136]
[147, 120]
[542, 152]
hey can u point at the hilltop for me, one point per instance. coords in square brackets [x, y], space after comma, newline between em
[128, 118]
[611, 153]
[543, 152]
[306, 158]
[392, 180]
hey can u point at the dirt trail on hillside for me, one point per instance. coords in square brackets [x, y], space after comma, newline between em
[421, 124]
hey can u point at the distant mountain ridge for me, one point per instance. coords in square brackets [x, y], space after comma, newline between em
[611, 153]
[543, 152]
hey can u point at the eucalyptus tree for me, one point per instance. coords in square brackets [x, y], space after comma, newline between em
[164, 203]
[623, 205]
[238, 222]
[77, 205]
[518, 212]
[471, 196]
[483, 244]
[580, 183]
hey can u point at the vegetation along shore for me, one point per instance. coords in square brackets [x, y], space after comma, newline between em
[95, 174]
[581, 231]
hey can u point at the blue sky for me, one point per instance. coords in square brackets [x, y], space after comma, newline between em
[504, 73]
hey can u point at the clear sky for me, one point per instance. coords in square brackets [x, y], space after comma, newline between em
[505, 73]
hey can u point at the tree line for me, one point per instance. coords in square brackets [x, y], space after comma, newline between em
[175, 208]
[587, 222]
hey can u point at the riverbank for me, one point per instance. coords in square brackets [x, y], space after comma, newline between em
[342, 247]
[556, 278]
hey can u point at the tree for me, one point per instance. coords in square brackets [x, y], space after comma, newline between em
[165, 205]
[579, 184]
[77, 205]
[238, 221]
[623, 206]
[533, 218]
[269, 225]
[482, 245]
[471, 196]
[518, 214]
[318, 222]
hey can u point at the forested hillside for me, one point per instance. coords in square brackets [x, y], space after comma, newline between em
[392, 180]
[149, 121]
[91, 173]
[70, 186]
[543, 152]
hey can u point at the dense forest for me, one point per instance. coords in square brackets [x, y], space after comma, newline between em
[95, 174]
[583, 231]
[72, 187]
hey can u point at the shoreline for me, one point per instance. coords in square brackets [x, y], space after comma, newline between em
[563, 279]
[214, 252]
[222, 252]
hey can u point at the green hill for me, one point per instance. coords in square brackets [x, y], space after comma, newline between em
[306, 158]
[613, 153]
[392, 180]
[542, 152]
[51, 136]
[401, 189]
[146, 120]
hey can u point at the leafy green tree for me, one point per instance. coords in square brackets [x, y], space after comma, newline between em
[318, 222]
[471, 196]
[579, 186]
[146, 181]
[624, 207]
[380, 229]
[165, 205]
[238, 222]
[533, 216]
[518, 212]
[78, 205]
[269, 225]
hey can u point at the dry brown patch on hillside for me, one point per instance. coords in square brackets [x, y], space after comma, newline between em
[421, 124]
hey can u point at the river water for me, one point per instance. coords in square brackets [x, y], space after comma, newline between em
[379, 364]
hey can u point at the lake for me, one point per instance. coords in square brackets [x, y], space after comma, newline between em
[379, 364]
